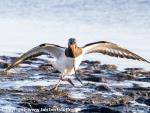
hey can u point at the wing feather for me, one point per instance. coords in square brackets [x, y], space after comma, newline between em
[111, 49]
[43, 49]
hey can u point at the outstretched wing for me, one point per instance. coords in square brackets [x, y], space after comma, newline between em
[111, 49]
[43, 49]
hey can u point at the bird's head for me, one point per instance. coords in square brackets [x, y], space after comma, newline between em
[72, 42]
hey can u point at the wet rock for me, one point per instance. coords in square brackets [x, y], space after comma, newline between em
[56, 71]
[137, 71]
[91, 62]
[100, 99]
[67, 101]
[3, 65]
[145, 79]
[135, 93]
[122, 76]
[46, 67]
[138, 88]
[131, 94]
[108, 67]
[97, 109]
[95, 78]
[7, 58]
[103, 88]
[119, 101]
[95, 99]
[147, 102]
[140, 99]
[97, 71]
[108, 110]
[33, 104]
[133, 69]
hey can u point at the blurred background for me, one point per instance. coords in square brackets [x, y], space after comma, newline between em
[28, 23]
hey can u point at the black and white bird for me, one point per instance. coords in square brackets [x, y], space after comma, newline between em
[69, 58]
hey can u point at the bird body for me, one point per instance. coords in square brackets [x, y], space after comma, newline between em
[68, 59]
[66, 64]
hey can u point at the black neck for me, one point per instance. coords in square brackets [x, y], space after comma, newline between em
[73, 54]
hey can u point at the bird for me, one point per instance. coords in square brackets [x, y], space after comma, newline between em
[68, 59]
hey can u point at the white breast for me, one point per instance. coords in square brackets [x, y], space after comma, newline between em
[66, 64]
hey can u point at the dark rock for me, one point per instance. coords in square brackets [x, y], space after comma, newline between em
[94, 78]
[3, 65]
[67, 101]
[103, 88]
[33, 104]
[139, 88]
[108, 110]
[46, 67]
[147, 102]
[90, 62]
[56, 71]
[133, 69]
[136, 71]
[95, 99]
[97, 71]
[123, 76]
[6, 58]
[132, 94]
[136, 93]
[145, 79]
[140, 99]
[97, 109]
[108, 67]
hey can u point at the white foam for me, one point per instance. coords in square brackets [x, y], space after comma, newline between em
[18, 84]
[129, 84]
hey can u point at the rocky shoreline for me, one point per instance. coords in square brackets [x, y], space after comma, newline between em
[105, 89]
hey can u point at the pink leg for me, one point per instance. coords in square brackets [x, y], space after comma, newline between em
[62, 79]
[56, 86]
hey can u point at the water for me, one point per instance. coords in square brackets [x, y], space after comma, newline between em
[27, 23]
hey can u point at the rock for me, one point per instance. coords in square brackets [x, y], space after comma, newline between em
[136, 87]
[137, 71]
[133, 69]
[3, 65]
[123, 76]
[108, 67]
[145, 79]
[108, 110]
[33, 104]
[7, 58]
[94, 78]
[91, 62]
[97, 109]
[147, 102]
[131, 94]
[56, 71]
[46, 67]
[97, 71]
[103, 88]
[140, 99]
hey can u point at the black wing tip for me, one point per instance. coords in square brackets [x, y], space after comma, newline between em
[43, 45]
[96, 43]
[147, 61]
[47, 44]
